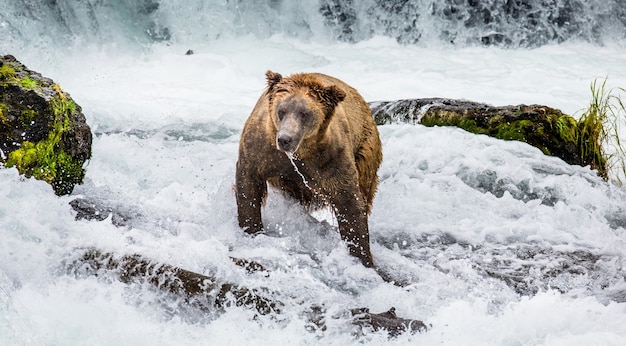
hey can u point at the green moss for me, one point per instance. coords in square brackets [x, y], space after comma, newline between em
[430, 121]
[495, 127]
[470, 126]
[444, 118]
[22, 158]
[3, 114]
[45, 160]
[9, 75]
[6, 72]
[565, 127]
[28, 83]
[544, 128]
[62, 106]
[515, 130]
[27, 116]
[582, 142]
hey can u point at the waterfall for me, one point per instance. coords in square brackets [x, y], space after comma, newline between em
[505, 23]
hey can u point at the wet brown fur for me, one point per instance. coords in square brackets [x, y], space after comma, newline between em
[339, 155]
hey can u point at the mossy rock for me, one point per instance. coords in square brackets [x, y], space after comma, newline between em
[43, 132]
[546, 128]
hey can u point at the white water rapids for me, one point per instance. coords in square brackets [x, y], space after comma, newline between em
[494, 243]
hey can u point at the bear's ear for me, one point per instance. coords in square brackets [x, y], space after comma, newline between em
[333, 95]
[272, 79]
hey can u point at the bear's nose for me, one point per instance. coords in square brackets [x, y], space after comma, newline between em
[284, 142]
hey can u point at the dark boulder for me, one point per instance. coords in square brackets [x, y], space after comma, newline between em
[548, 129]
[43, 132]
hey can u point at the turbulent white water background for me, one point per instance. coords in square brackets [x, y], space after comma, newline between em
[494, 243]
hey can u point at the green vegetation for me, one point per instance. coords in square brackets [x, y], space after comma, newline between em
[45, 160]
[543, 127]
[28, 83]
[566, 127]
[9, 75]
[3, 112]
[6, 72]
[513, 131]
[598, 132]
[593, 140]
[39, 128]
[27, 116]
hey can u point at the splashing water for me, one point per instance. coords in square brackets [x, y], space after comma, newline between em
[293, 157]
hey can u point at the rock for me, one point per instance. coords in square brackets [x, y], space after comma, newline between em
[209, 293]
[43, 132]
[96, 209]
[549, 129]
[388, 321]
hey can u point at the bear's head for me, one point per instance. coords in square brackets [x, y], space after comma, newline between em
[300, 107]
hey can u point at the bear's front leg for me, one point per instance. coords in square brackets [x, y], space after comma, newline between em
[352, 219]
[250, 189]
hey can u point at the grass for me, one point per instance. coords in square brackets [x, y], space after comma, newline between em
[28, 83]
[6, 72]
[598, 132]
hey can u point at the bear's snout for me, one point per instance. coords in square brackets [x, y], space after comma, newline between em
[284, 143]
[289, 135]
[287, 142]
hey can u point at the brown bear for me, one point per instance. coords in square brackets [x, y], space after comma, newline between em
[313, 137]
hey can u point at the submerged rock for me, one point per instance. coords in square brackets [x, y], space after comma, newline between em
[212, 294]
[43, 132]
[549, 129]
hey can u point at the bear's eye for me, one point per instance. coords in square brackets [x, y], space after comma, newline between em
[281, 114]
[303, 114]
